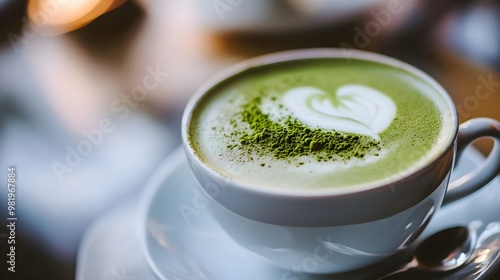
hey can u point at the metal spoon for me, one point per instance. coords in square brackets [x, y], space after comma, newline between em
[444, 251]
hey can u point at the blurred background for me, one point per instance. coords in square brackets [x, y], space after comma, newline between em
[92, 91]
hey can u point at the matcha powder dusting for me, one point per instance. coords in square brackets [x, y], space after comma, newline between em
[290, 139]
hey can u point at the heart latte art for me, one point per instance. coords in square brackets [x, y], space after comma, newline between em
[352, 108]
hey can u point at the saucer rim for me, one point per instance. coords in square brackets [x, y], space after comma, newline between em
[166, 167]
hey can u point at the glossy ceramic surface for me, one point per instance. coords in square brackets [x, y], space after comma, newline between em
[181, 240]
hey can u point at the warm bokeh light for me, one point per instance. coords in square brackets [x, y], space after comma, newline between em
[59, 16]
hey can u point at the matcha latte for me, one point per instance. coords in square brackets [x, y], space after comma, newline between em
[318, 123]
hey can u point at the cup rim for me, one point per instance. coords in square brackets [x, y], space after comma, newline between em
[307, 54]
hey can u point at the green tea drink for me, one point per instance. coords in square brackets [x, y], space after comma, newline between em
[318, 123]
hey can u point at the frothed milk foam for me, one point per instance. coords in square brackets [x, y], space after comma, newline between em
[388, 119]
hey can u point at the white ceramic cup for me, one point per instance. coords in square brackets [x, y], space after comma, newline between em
[330, 231]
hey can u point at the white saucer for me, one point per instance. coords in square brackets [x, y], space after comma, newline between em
[196, 247]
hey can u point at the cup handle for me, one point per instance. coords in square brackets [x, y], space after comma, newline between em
[468, 132]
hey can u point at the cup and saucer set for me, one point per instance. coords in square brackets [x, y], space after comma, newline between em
[194, 223]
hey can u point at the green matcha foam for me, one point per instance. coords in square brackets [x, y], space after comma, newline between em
[369, 121]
